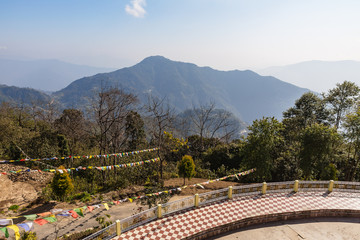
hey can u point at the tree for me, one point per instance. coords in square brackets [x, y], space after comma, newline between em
[73, 126]
[134, 131]
[352, 136]
[209, 122]
[111, 109]
[186, 167]
[318, 149]
[308, 110]
[160, 118]
[263, 147]
[341, 99]
[61, 184]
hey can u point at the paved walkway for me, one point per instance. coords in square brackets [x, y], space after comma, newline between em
[188, 223]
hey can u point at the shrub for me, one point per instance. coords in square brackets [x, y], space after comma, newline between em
[14, 208]
[186, 167]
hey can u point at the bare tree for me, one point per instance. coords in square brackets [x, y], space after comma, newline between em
[209, 122]
[160, 118]
[111, 109]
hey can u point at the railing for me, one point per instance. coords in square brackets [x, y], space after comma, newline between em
[166, 209]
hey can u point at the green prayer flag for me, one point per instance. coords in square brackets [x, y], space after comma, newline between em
[4, 229]
[31, 217]
[50, 219]
[79, 211]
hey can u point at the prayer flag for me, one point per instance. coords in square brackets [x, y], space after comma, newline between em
[4, 229]
[16, 230]
[73, 214]
[40, 221]
[106, 206]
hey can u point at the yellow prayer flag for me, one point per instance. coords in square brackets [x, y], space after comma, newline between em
[16, 230]
[106, 206]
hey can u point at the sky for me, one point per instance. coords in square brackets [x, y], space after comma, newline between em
[223, 34]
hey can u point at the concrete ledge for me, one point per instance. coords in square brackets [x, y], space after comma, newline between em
[274, 218]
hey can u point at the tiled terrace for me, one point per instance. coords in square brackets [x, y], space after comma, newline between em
[213, 218]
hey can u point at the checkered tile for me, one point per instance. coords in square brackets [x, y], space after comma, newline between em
[187, 223]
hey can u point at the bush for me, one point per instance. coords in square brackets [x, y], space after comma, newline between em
[61, 185]
[186, 167]
[14, 208]
[83, 197]
[28, 236]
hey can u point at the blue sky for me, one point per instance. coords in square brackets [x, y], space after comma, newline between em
[223, 34]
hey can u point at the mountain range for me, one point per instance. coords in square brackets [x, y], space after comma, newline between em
[245, 93]
[46, 75]
[319, 76]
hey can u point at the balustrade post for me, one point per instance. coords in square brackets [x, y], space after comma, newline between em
[230, 192]
[331, 186]
[296, 186]
[196, 200]
[118, 228]
[263, 190]
[158, 212]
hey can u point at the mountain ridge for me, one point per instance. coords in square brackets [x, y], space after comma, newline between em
[187, 85]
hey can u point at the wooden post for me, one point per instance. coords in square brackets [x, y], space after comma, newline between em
[196, 200]
[230, 192]
[331, 185]
[263, 190]
[118, 228]
[296, 186]
[159, 215]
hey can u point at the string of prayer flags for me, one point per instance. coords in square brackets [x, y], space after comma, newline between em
[89, 156]
[103, 168]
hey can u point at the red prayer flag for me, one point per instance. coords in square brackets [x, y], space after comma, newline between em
[73, 214]
[40, 221]
[91, 208]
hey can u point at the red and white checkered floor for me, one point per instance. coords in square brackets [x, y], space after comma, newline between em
[190, 222]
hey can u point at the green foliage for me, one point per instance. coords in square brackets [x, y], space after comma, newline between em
[80, 235]
[341, 99]
[62, 185]
[318, 149]
[263, 146]
[224, 154]
[28, 235]
[83, 197]
[134, 131]
[186, 167]
[104, 221]
[14, 208]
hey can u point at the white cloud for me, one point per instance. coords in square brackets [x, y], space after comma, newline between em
[3, 48]
[136, 8]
